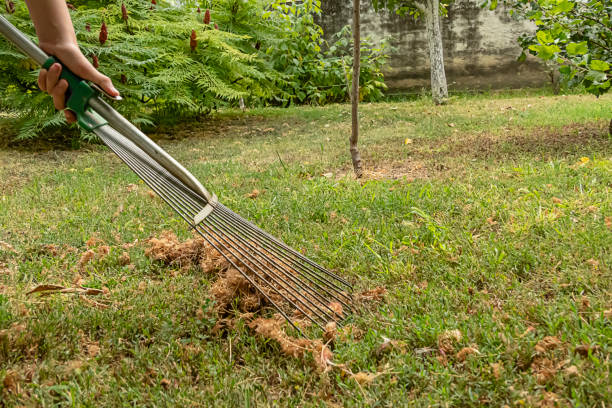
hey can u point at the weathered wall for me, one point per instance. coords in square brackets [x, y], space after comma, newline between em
[480, 46]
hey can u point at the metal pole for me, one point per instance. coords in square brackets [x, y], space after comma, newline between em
[22, 42]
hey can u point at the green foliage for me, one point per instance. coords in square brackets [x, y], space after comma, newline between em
[575, 35]
[264, 53]
[412, 8]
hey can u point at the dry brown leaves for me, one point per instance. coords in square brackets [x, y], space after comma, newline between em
[376, 294]
[232, 286]
[7, 247]
[585, 349]
[465, 352]
[86, 258]
[11, 382]
[253, 194]
[543, 369]
[547, 343]
[170, 250]
[447, 340]
[272, 329]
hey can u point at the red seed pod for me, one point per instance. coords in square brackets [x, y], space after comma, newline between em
[70, 6]
[207, 17]
[199, 11]
[153, 4]
[193, 42]
[216, 26]
[103, 34]
[94, 61]
[88, 28]
[257, 45]
[123, 79]
[10, 7]
[124, 14]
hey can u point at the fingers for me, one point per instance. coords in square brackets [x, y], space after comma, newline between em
[42, 80]
[49, 81]
[53, 74]
[59, 94]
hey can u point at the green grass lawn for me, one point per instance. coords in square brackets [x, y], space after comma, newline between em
[490, 216]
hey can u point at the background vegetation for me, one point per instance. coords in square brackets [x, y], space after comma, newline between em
[268, 53]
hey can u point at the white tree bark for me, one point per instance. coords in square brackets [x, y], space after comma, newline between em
[431, 12]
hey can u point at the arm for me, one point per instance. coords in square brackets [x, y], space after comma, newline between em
[56, 37]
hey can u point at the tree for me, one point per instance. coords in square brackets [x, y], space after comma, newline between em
[576, 35]
[355, 156]
[431, 11]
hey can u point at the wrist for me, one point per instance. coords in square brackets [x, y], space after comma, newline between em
[59, 47]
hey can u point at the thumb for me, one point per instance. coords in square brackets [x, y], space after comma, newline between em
[85, 70]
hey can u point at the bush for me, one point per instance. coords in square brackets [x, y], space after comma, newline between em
[170, 64]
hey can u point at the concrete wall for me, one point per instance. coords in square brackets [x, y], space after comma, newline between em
[480, 47]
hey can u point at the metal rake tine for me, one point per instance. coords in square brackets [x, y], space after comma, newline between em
[275, 278]
[286, 273]
[310, 276]
[283, 245]
[287, 270]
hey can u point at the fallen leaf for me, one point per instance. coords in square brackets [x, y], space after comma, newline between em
[93, 349]
[151, 193]
[118, 212]
[131, 187]
[253, 194]
[165, 383]
[328, 175]
[584, 349]
[557, 200]
[408, 141]
[447, 339]
[544, 370]
[86, 258]
[93, 242]
[451, 125]
[571, 371]
[608, 222]
[593, 262]
[337, 308]
[364, 378]
[496, 369]
[45, 288]
[124, 259]
[376, 294]
[547, 343]
[11, 382]
[142, 286]
[6, 246]
[465, 352]
[329, 335]
[529, 329]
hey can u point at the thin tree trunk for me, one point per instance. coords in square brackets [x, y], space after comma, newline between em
[439, 89]
[355, 156]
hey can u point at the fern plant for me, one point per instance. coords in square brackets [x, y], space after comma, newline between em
[159, 69]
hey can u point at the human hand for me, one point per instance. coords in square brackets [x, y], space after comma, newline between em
[72, 57]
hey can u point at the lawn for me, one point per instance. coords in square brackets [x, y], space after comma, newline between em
[487, 222]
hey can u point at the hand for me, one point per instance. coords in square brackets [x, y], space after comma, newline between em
[71, 56]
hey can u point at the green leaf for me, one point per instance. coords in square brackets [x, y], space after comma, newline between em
[580, 48]
[493, 5]
[522, 57]
[545, 52]
[544, 37]
[599, 65]
[562, 7]
[565, 70]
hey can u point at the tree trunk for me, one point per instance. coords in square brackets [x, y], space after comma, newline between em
[355, 156]
[439, 89]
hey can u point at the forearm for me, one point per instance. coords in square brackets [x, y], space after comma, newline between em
[53, 24]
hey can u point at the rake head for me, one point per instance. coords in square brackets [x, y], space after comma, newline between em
[293, 284]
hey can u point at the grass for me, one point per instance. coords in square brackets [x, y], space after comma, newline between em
[489, 215]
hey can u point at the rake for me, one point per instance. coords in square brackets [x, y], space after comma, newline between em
[284, 277]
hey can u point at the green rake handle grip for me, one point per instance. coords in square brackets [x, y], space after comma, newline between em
[77, 97]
